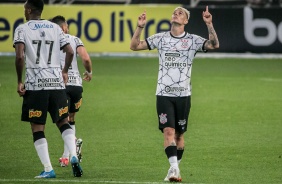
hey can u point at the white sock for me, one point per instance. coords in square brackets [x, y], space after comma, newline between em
[69, 140]
[178, 161]
[173, 161]
[66, 153]
[73, 127]
[41, 147]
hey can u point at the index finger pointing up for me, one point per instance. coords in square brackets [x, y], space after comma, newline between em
[207, 8]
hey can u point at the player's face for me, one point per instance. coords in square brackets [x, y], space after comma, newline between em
[179, 17]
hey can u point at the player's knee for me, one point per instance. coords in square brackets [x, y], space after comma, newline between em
[169, 132]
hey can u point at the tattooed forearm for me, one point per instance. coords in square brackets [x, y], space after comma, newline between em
[213, 42]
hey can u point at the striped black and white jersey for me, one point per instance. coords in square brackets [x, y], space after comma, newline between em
[43, 41]
[73, 72]
[176, 56]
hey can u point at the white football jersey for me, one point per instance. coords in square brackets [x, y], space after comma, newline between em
[176, 56]
[43, 41]
[73, 72]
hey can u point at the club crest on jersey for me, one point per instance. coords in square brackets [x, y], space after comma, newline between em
[163, 118]
[40, 25]
[184, 43]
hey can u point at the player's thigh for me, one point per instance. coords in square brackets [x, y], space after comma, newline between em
[183, 105]
[75, 101]
[58, 105]
[35, 106]
[166, 112]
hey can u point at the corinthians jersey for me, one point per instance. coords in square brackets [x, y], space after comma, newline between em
[43, 41]
[176, 56]
[73, 72]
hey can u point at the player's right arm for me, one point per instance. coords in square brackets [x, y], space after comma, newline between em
[69, 56]
[137, 44]
[212, 42]
[19, 62]
[82, 52]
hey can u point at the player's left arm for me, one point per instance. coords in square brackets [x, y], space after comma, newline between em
[212, 42]
[19, 62]
[86, 60]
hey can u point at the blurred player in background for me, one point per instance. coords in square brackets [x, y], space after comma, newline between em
[176, 50]
[37, 45]
[74, 85]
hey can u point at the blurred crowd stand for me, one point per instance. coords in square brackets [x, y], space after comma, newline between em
[190, 3]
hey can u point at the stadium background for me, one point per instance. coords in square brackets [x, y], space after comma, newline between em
[241, 27]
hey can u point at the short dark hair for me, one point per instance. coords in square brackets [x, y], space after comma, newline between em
[58, 19]
[36, 4]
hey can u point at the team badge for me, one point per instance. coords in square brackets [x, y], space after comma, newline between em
[163, 118]
[184, 43]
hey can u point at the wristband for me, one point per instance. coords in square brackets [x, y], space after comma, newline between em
[140, 26]
[88, 72]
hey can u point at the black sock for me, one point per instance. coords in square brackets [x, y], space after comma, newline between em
[171, 151]
[65, 127]
[180, 153]
[38, 135]
[72, 122]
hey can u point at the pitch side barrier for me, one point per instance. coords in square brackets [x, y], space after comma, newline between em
[109, 28]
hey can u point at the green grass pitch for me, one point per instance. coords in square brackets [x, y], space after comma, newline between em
[234, 135]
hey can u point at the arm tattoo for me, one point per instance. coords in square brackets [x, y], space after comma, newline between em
[213, 40]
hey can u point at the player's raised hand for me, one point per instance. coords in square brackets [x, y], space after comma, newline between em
[207, 17]
[142, 19]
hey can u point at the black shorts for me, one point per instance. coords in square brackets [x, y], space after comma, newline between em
[36, 104]
[173, 112]
[74, 94]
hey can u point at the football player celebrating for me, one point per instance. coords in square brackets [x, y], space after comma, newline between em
[176, 49]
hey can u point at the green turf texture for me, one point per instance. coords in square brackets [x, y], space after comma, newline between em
[234, 134]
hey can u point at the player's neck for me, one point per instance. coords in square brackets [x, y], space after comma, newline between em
[35, 17]
[176, 30]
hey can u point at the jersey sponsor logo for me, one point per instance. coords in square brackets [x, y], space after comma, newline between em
[72, 79]
[170, 58]
[35, 26]
[163, 118]
[63, 111]
[78, 104]
[48, 82]
[169, 89]
[172, 54]
[34, 113]
[182, 122]
[175, 65]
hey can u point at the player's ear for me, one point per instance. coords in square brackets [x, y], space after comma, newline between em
[186, 21]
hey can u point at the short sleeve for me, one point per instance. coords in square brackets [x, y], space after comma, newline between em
[19, 36]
